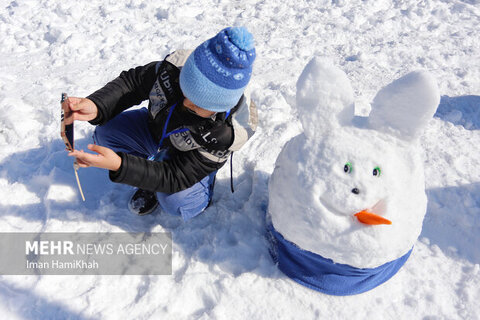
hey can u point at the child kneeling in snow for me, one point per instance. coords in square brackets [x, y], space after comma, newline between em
[199, 112]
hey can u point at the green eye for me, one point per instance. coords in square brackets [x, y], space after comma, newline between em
[377, 172]
[347, 167]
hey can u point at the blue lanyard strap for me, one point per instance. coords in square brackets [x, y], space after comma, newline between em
[165, 134]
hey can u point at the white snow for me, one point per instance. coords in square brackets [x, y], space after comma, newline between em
[221, 265]
[61, 193]
[18, 194]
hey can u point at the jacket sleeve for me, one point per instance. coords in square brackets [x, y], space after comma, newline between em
[129, 89]
[170, 176]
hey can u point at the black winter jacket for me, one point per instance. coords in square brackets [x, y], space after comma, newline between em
[193, 153]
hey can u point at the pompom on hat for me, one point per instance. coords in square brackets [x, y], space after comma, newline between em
[217, 72]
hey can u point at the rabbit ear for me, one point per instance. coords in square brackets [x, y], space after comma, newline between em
[405, 106]
[324, 97]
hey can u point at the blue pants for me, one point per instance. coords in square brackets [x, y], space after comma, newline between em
[128, 132]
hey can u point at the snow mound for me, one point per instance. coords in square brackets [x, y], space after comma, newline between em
[341, 166]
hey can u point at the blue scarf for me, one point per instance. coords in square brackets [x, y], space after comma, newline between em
[324, 275]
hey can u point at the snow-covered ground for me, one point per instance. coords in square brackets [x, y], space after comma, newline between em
[221, 265]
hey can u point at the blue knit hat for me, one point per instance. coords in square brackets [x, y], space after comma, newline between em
[217, 72]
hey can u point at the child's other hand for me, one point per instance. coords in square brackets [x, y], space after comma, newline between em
[105, 158]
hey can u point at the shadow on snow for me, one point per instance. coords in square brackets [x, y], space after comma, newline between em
[452, 221]
[461, 110]
[29, 305]
[228, 235]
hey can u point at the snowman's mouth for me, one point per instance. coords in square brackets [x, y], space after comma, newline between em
[365, 216]
[331, 208]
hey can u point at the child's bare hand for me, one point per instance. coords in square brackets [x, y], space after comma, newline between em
[105, 158]
[83, 109]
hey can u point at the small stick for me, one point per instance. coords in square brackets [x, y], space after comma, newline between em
[75, 167]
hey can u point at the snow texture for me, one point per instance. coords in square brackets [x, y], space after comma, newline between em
[311, 196]
[221, 265]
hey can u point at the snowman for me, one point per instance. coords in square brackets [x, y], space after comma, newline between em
[347, 196]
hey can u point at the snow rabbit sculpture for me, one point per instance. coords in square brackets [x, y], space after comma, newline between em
[347, 196]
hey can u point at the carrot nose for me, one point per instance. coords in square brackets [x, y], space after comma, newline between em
[371, 218]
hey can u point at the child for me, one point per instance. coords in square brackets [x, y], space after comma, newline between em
[199, 113]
